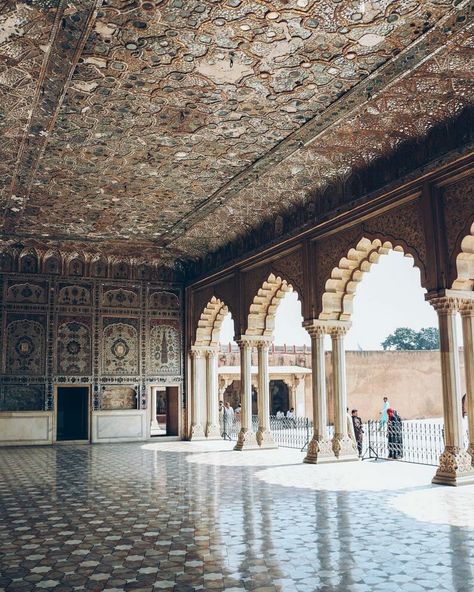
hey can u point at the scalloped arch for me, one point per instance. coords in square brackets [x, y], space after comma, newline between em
[210, 322]
[341, 287]
[261, 319]
[465, 263]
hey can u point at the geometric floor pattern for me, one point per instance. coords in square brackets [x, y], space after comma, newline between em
[185, 517]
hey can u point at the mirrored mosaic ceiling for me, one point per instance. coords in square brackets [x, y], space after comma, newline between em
[175, 126]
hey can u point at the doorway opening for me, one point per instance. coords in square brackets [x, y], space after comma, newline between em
[72, 418]
[165, 404]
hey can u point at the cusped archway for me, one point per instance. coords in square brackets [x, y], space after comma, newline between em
[261, 318]
[210, 322]
[340, 288]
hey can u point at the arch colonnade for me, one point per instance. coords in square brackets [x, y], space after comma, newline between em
[433, 224]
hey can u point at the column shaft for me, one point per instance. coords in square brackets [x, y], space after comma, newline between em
[246, 437]
[264, 435]
[343, 447]
[154, 422]
[197, 394]
[319, 447]
[468, 337]
[454, 463]
[212, 428]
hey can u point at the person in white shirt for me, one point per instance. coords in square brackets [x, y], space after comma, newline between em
[280, 414]
[291, 415]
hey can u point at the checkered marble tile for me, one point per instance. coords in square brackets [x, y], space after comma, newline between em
[185, 517]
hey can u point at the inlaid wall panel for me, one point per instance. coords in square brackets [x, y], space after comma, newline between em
[118, 335]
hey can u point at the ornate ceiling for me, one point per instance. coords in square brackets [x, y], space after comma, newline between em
[172, 127]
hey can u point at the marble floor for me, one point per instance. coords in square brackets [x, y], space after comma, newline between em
[178, 516]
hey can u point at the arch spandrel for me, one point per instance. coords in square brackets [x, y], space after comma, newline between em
[458, 205]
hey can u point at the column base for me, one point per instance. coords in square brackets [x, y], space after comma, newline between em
[344, 448]
[213, 432]
[455, 468]
[319, 451]
[197, 432]
[265, 439]
[246, 440]
[470, 451]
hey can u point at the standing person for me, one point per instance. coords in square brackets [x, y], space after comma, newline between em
[358, 430]
[291, 415]
[384, 413]
[397, 435]
[228, 418]
[350, 426]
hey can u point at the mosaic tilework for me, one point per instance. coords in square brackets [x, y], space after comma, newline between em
[186, 517]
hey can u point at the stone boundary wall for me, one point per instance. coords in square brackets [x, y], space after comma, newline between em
[410, 379]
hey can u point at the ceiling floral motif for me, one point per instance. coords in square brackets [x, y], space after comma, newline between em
[172, 127]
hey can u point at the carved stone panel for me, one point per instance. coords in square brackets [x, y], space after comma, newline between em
[31, 293]
[23, 397]
[290, 268]
[74, 352]
[120, 353]
[163, 301]
[458, 201]
[165, 347]
[25, 348]
[74, 295]
[120, 298]
[403, 226]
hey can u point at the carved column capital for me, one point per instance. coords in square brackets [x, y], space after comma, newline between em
[263, 343]
[338, 331]
[445, 305]
[315, 330]
[243, 343]
[211, 352]
[197, 354]
[318, 328]
[466, 308]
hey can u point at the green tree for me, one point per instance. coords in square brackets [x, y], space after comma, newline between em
[404, 338]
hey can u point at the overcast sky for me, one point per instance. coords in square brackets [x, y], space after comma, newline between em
[389, 296]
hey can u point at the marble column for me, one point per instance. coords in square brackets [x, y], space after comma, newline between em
[343, 446]
[212, 396]
[198, 390]
[319, 448]
[467, 314]
[264, 434]
[154, 423]
[247, 438]
[454, 463]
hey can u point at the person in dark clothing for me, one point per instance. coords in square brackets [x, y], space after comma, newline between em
[358, 430]
[394, 434]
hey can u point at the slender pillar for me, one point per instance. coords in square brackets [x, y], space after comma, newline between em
[264, 434]
[467, 314]
[212, 392]
[454, 463]
[247, 438]
[198, 394]
[154, 423]
[319, 448]
[344, 448]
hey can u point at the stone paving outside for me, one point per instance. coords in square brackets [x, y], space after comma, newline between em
[182, 517]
